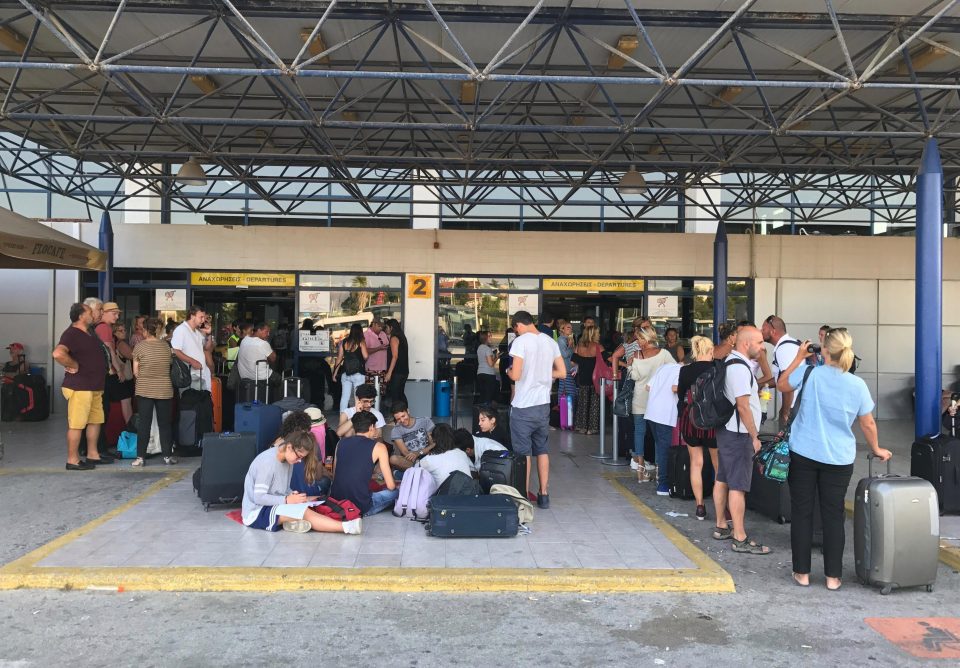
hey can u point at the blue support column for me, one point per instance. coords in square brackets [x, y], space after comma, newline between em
[929, 291]
[106, 245]
[719, 280]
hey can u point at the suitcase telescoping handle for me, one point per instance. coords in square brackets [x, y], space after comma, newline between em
[870, 458]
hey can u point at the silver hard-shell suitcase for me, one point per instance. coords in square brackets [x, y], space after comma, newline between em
[896, 523]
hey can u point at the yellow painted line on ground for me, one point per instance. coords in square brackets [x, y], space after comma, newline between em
[707, 577]
[30, 559]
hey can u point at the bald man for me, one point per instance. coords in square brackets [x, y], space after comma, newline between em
[737, 442]
[774, 331]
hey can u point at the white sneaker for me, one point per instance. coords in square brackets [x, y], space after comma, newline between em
[297, 526]
[354, 527]
[634, 465]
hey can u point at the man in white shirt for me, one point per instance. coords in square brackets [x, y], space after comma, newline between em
[785, 347]
[255, 349]
[187, 344]
[738, 441]
[365, 396]
[536, 362]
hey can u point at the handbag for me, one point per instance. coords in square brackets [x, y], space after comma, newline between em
[179, 373]
[623, 405]
[602, 370]
[773, 459]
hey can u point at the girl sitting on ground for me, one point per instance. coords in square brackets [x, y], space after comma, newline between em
[312, 481]
[268, 501]
[489, 428]
[445, 457]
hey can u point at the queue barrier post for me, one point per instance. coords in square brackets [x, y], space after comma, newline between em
[603, 419]
[614, 459]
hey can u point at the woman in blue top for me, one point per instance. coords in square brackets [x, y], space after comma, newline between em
[823, 448]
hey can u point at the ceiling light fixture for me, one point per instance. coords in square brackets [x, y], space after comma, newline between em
[205, 83]
[468, 92]
[191, 173]
[726, 95]
[922, 59]
[11, 40]
[627, 44]
[317, 45]
[632, 183]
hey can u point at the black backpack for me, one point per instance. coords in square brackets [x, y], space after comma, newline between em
[352, 361]
[710, 408]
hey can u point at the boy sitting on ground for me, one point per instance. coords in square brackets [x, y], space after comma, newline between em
[353, 466]
[411, 436]
[474, 446]
[365, 395]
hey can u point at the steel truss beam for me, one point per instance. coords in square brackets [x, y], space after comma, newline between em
[120, 108]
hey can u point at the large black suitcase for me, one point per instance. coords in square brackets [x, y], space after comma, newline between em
[769, 497]
[195, 419]
[223, 467]
[502, 467]
[34, 397]
[678, 473]
[937, 460]
[482, 516]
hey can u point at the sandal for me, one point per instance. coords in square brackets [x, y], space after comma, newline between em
[138, 462]
[722, 533]
[796, 579]
[747, 546]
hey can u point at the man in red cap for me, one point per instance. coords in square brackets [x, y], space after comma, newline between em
[17, 363]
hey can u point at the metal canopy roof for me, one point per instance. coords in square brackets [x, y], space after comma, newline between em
[472, 93]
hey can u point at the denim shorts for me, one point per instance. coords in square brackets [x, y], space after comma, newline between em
[529, 429]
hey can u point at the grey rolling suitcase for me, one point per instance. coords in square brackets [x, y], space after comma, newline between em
[896, 524]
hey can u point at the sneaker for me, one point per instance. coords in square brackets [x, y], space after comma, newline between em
[543, 501]
[138, 462]
[297, 526]
[170, 461]
[701, 512]
[634, 464]
[354, 527]
[663, 490]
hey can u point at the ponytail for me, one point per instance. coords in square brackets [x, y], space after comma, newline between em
[839, 344]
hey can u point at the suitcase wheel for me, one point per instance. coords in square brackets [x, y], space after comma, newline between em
[929, 588]
[886, 590]
[206, 507]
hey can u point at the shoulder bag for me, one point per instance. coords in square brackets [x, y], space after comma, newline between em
[773, 460]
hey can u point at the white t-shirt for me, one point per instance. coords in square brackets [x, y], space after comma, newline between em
[252, 350]
[381, 423]
[190, 342]
[481, 445]
[784, 353]
[537, 350]
[740, 382]
[662, 402]
[442, 465]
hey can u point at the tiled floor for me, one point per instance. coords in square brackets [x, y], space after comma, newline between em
[590, 525]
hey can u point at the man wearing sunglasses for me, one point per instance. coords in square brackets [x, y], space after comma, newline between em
[785, 348]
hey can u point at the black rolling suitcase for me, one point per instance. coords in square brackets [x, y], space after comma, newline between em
[937, 460]
[482, 516]
[195, 419]
[223, 467]
[502, 467]
[34, 397]
[769, 497]
[678, 473]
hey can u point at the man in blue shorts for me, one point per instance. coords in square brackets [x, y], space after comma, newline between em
[536, 362]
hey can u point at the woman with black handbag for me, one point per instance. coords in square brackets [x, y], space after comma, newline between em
[823, 448]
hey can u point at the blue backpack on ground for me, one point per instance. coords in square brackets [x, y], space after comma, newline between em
[710, 408]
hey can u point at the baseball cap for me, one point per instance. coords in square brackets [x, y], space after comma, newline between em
[15, 345]
[111, 306]
[316, 415]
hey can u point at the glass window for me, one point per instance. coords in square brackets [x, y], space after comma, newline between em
[368, 281]
[463, 314]
[488, 283]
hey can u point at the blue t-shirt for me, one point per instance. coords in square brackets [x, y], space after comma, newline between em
[832, 401]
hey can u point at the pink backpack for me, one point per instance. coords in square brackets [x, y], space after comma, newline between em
[416, 488]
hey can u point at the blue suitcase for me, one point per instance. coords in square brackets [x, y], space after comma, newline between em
[482, 516]
[261, 419]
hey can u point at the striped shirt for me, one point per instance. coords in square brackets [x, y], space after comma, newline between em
[153, 380]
